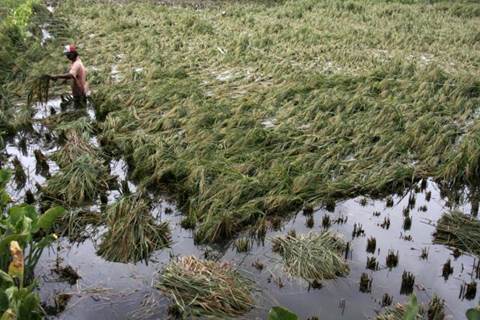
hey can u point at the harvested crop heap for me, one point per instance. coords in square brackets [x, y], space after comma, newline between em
[206, 288]
[459, 231]
[314, 256]
[133, 234]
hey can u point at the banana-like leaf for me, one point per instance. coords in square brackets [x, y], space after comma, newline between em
[280, 313]
[4, 178]
[5, 278]
[473, 314]
[46, 220]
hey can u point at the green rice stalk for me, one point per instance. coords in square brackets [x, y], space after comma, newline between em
[39, 89]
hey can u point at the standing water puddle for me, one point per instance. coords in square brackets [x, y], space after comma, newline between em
[108, 290]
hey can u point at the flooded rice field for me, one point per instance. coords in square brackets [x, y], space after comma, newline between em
[387, 240]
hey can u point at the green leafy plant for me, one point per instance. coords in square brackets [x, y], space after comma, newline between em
[23, 224]
[473, 314]
[281, 313]
[17, 301]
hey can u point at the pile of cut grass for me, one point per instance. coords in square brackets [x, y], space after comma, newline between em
[133, 234]
[460, 231]
[202, 288]
[78, 182]
[313, 256]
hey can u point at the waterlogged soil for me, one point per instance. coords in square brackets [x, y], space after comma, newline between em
[107, 290]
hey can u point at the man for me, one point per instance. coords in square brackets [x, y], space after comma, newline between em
[77, 75]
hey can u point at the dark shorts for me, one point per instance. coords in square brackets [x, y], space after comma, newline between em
[77, 102]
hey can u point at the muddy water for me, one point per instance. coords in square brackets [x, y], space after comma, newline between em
[109, 290]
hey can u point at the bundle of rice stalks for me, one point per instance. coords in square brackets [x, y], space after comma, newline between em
[80, 181]
[133, 234]
[314, 256]
[39, 88]
[202, 288]
[459, 231]
[434, 310]
[75, 146]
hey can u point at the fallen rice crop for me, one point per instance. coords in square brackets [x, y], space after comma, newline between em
[133, 233]
[76, 145]
[312, 256]
[81, 180]
[460, 231]
[203, 288]
[253, 112]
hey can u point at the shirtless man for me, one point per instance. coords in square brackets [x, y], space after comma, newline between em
[77, 75]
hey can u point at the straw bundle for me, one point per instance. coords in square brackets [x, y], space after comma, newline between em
[206, 288]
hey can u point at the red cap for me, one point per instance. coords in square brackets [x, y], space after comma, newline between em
[70, 48]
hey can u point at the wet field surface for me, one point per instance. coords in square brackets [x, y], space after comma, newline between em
[107, 290]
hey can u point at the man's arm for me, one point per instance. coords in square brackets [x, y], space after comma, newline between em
[65, 76]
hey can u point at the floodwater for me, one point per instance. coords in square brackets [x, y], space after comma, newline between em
[108, 290]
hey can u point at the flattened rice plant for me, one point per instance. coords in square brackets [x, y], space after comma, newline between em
[243, 125]
[203, 288]
[313, 256]
[133, 234]
[80, 181]
[76, 145]
[459, 231]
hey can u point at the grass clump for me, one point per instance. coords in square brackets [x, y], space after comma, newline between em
[133, 233]
[459, 231]
[78, 182]
[203, 288]
[312, 256]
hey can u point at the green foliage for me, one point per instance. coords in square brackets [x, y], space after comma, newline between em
[16, 302]
[23, 224]
[411, 309]
[473, 314]
[281, 313]
[24, 234]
